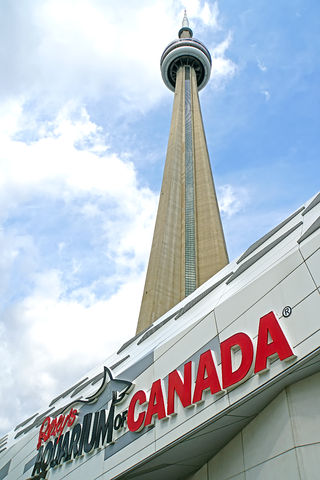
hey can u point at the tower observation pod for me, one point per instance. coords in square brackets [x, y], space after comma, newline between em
[188, 245]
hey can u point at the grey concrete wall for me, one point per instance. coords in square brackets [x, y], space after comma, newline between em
[282, 442]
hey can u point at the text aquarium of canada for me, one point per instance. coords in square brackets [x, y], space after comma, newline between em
[65, 438]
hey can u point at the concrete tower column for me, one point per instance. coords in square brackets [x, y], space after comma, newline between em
[188, 244]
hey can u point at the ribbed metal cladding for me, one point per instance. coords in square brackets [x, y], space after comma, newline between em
[190, 241]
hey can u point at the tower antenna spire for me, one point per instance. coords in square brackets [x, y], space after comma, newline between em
[185, 31]
[185, 21]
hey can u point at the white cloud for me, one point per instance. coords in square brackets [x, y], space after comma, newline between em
[64, 163]
[69, 156]
[232, 199]
[94, 50]
[54, 321]
[209, 14]
[261, 65]
[206, 12]
[266, 94]
[53, 340]
[223, 68]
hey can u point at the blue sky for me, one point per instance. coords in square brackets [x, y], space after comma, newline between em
[84, 123]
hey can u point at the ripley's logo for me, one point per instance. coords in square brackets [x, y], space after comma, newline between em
[90, 429]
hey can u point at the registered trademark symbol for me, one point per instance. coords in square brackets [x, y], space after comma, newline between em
[286, 312]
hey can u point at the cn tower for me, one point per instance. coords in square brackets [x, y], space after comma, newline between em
[188, 245]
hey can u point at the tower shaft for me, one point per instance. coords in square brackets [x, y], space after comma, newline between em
[188, 245]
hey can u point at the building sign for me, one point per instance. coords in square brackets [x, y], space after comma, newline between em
[56, 444]
[161, 406]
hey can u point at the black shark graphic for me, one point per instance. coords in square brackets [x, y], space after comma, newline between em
[114, 389]
[40, 476]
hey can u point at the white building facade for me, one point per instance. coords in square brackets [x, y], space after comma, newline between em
[223, 386]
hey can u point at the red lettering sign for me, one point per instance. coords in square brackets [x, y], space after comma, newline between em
[136, 425]
[207, 377]
[278, 346]
[156, 403]
[53, 427]
[271, 341]
[181, 386]
[243, 342]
